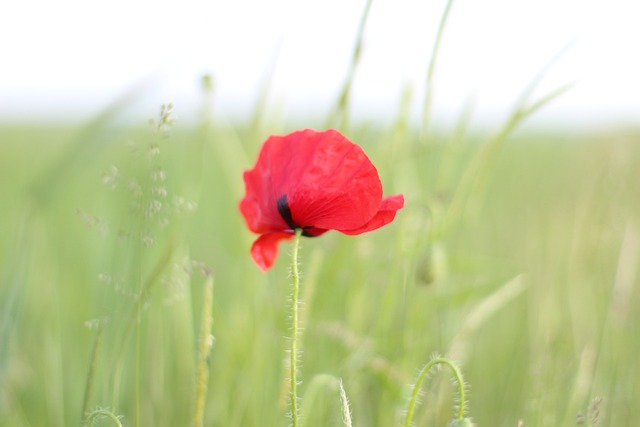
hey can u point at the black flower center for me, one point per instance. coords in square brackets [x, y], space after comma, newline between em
[285, 213]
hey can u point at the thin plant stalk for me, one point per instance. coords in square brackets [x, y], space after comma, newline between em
[136, 406]
[206, 344]
[88, 389]
[341, 113]
[293, 352]
[346, 411]
[426, 112]
[144, 294]
[423, 374]
[260, 106]
[476, 171]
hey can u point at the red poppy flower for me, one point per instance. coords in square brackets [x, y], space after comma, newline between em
[316, 181]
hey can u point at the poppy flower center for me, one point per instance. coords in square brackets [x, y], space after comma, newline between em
[285, 213]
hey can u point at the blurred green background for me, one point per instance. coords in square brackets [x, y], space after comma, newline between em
[516, 254]
[520, 264]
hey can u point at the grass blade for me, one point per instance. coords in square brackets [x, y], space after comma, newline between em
[341, 113]
[428, 97]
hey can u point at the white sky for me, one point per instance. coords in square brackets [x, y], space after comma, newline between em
[74, 57]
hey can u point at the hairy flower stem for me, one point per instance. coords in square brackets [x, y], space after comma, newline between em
[293, 353]
[103, 413]
[423, 373]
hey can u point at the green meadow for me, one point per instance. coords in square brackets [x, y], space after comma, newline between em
[516, 257]
[128, 296]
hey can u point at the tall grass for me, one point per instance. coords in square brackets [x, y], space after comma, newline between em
[558, 215]
[517, 256]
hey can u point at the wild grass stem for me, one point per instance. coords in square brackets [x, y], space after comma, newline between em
[88, 389]
[205, 344]
[426, 111]
[134, 316]
[341, 114]
[476, 172]
[136, 406]
[346, 411]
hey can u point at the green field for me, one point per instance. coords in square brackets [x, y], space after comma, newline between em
[517, 258]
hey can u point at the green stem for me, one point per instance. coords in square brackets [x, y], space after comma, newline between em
[341, 113]
[88, 389]
[134, 317]
[430, 72]
[103, 413]
[293, 354]
[136, 416]
[206, 343]
[423, 373]
[346, 412]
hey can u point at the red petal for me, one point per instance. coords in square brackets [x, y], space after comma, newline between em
[387, 212]
[265, 249]
[337, 187]
[329, 183]
[258, 207]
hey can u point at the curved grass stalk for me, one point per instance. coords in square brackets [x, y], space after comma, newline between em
[460, 413]
[103, 413]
